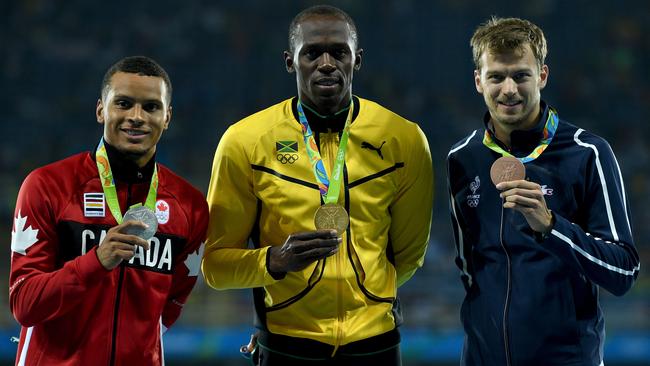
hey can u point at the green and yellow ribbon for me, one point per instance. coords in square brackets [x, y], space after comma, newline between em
[329, 189]
[547, 136]
[108, 184]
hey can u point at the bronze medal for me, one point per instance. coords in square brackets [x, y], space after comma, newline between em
[506, 169]
[331, 216]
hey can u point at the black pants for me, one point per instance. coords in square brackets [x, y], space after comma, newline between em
[389, 357]
[276, 350]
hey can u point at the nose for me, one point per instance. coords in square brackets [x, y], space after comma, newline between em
[326, 63]
[509, 87]
[136, 115]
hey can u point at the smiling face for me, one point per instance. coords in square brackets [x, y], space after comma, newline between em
[135, 111]
[324, 58]
[511, 84]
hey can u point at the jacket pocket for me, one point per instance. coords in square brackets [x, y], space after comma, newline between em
[294, 287]
[375, 275]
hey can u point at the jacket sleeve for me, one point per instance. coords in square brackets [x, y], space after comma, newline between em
[463, 247]
[599, 246]
[228, 263]
[40, 288]
[187, 266]
[411, 209]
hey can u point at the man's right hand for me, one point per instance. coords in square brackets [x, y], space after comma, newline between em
[118, 246]
[302, 249]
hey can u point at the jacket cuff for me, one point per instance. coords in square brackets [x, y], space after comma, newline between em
[276, 275]
[540, 237]
[89, 269]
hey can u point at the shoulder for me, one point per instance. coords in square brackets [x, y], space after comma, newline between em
[588, 139]
[75, 168]
[177, 186]
[239, 142]
[241, 137]
[582, 139]
[468, 143]
[375, 112]
[53, 185]
[376, 119]
[264, 120]
[175, 194]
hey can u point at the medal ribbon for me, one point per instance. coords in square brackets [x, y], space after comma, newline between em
[329, 190]
[549, 131]
[108, 184]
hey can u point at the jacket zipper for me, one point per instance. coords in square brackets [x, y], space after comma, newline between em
[119, 293]
[339, 315]
[332, 150]
[117, 308]
[507, 300]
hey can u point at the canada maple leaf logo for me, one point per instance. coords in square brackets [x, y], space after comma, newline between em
[162, 206]
[21, 237]
[193, 261]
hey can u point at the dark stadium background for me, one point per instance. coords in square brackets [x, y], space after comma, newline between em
[225, 61]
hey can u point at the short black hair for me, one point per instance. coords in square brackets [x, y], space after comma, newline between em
[141, 65]
[321, 10]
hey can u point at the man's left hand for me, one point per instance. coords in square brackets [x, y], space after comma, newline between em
[527, 198]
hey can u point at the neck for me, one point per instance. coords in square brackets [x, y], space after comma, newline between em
[329, 115]
[326, 109]
[141, 160]
[502, 132]
[128, 167]
[320, 123]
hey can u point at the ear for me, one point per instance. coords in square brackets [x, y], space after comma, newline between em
[477, 81]
[288, 61]
[543, 77]
[99, 111]
[168, 118]
[357, 59]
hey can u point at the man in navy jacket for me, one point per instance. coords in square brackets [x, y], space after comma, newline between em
[533, 252]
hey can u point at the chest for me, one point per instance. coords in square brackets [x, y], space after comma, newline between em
[287, 183]
[561, 178]
[85, 220]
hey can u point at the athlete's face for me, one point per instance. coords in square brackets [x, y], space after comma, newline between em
[511, 85]
[135, 111]
[324, 58]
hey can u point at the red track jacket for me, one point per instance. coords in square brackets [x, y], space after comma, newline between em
[72, 310]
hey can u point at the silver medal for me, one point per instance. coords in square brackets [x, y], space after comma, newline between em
[143, 214]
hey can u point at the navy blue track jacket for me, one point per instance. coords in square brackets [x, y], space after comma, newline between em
[532, 300]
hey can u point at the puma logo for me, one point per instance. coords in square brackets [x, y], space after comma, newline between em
[367, 145]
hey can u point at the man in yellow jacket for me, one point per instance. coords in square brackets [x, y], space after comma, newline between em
[321, 204]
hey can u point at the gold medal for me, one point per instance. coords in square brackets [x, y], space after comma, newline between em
[331, 216]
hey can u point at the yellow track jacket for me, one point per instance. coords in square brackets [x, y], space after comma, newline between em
[263, 189]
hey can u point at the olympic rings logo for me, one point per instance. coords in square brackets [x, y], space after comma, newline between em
[287, 158]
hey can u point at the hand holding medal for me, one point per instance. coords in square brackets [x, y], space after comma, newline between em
[302, 249]
[520, 194]
[331, 219]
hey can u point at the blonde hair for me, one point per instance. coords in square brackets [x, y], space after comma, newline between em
[502, 35]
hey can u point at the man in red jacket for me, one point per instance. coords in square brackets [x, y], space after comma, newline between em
[90, 284]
